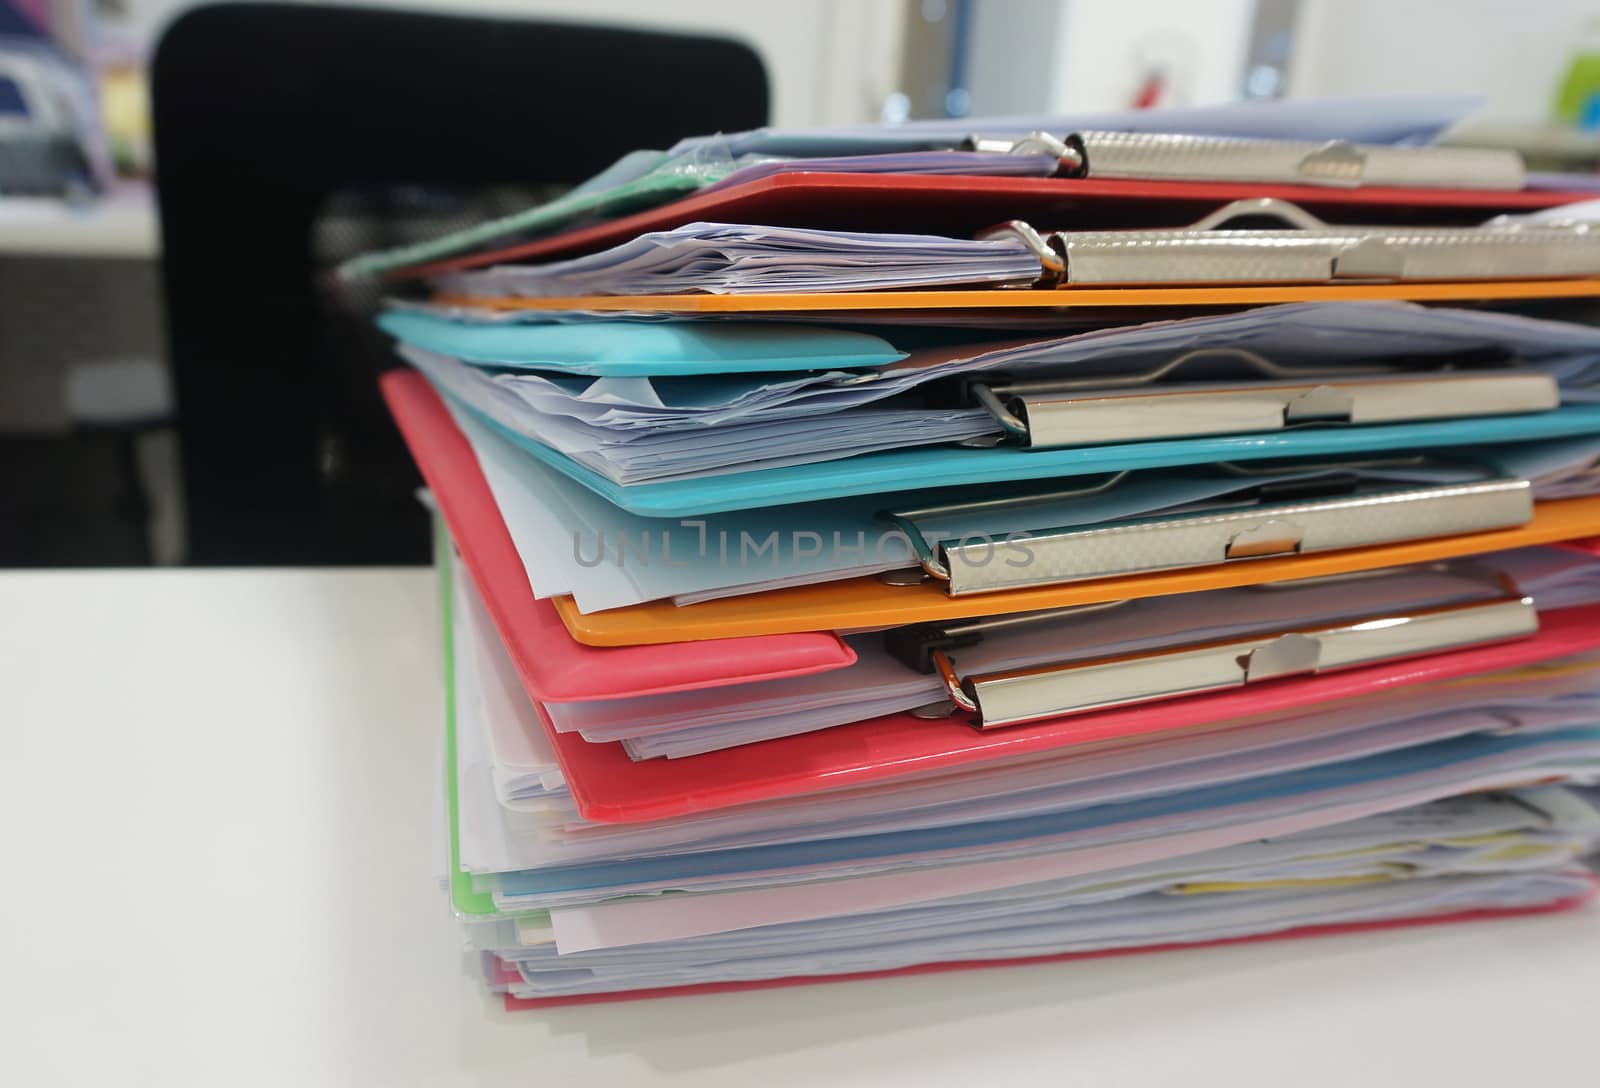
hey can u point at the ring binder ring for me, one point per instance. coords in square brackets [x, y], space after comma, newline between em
[1052, 262]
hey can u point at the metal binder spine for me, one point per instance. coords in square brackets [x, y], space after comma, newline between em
[1304, 250]
[1072, 555]
[1019, 696]
[1471, 253]
[1330, 253]
[1334, 164]
[1201, 256]
[1073, 418]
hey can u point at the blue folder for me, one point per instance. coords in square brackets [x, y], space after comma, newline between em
[940, 467]
[641, 349]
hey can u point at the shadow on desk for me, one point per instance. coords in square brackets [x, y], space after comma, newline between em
[1118, 1001]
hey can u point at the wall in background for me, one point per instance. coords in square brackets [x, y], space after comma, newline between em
[1512, 53]
[1106, 50]
[1067, 56]
[830, 62]
[1013, 60]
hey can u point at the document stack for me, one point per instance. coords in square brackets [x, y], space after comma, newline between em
[952, 545]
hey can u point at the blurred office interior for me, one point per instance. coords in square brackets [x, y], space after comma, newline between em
[93, 442]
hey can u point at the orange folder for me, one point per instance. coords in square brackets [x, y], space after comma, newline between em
[868, 603]
[1066, 297]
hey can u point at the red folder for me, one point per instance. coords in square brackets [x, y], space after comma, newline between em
[958, 207]
[608, 787]
[551, 663]
[505, 975]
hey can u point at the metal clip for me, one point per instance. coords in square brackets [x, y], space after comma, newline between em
[1052, 414]
[1036, 693]
[1304, 249]
[1334, 163]
[1320, 513]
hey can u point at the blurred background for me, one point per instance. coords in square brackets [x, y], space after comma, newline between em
[180, 382]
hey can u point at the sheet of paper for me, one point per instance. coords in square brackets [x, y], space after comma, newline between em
[1528, 701]
[640, 921]
[1155, 919]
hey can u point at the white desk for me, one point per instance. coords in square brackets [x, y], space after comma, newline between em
[121, 225]
[215, 789]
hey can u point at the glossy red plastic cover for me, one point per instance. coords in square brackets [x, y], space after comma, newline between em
[554, 666]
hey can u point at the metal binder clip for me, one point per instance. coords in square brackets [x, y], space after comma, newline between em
[1038, 692]
[1303, 249]
[1053, 413]
[1324, 512]
[1334, 163]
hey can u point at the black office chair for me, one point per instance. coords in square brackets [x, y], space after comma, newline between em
[263, 113]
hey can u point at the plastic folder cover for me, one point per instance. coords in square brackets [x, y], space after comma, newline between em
[552, 665]
[961, 206]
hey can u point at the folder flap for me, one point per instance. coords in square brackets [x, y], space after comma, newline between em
[551, 664]
[609, 787]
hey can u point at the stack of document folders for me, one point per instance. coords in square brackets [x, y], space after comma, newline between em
[959, 544]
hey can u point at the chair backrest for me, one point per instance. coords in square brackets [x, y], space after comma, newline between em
[261, 112]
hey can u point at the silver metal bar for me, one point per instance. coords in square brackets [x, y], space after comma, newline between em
[1055, 556]
[1040, 417]
[1019, 696]
[1309, 251]
[1334, 163]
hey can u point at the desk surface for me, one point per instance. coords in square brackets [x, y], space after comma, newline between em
[122, 225]
[216, 788]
